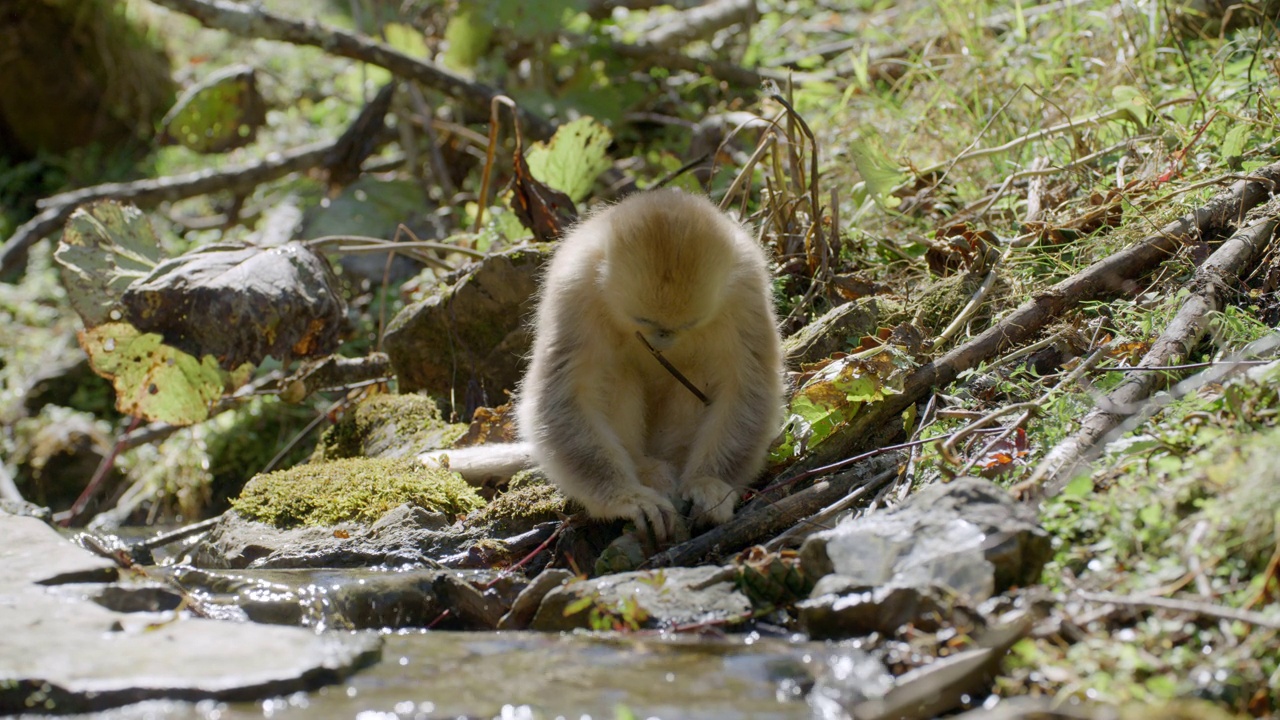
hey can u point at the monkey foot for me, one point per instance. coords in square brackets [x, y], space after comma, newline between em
[713, 499]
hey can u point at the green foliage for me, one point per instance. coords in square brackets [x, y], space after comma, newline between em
[1191, 495]
[105, 248]
[574, 157]
[626, 615]
[221, 113]
[155, 381]
[835, 394]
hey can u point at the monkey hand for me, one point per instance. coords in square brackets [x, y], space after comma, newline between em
[650, 510]
[713, 499]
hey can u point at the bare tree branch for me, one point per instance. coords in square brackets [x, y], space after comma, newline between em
[153, 191]
[254, 22]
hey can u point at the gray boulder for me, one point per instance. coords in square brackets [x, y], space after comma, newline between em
[468, 340]
[952, 544]
[78, 656]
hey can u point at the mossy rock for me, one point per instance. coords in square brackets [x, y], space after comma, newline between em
[388, 426]
[528, 501]
[352, 490]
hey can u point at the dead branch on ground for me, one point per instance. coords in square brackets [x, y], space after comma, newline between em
[1109, 276]
[766, 517]
[700, 22]
[1207, 288]
[153, 191]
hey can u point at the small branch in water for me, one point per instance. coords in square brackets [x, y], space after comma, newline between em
[674, 372]
[181, 533]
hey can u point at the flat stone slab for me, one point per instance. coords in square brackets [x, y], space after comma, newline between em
[650, 598]
[64, 653]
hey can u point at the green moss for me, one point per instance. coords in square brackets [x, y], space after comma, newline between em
[360, 490]
[386, 425]
[529, 499]
[941, 301]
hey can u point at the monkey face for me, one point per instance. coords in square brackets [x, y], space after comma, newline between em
[661, 292]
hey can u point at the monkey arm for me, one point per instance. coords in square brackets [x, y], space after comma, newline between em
[584, 430]
[733, 439]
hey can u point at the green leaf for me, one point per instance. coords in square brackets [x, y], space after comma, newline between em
[406, 39]
[467, 35]
[572, 160]
[1233, 143]
[222, 113]
[1079, 488]
[1150, 515]
[879, 174]
[835, 394]
[152, 380]
[1131, 100]
[578, 605]
[530, 19]
[105, 247]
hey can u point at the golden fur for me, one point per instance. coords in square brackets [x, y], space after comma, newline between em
[609, 425]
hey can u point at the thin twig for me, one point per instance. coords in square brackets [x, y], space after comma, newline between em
[1188, 606]
[674, 372]
[491, 150]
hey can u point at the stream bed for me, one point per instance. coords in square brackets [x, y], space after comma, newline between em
[435, 674]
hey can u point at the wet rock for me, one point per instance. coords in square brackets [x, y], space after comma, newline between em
[33, 552]
[469, 340]
[352, 599]
[951, 544]
[135, 597]
[527, 602]
[407, 535]
[943, 685]
[545, 675]
[654, 598]
[77, 656]
[851, 611]
[845, 677]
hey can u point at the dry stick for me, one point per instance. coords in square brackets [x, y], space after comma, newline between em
[1187, 606]
[491, 150]
[699, 22]
[253, 22]
[766, 519]
[152, 192]
[1107, 276]
[673, 370]
[1208, 287]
